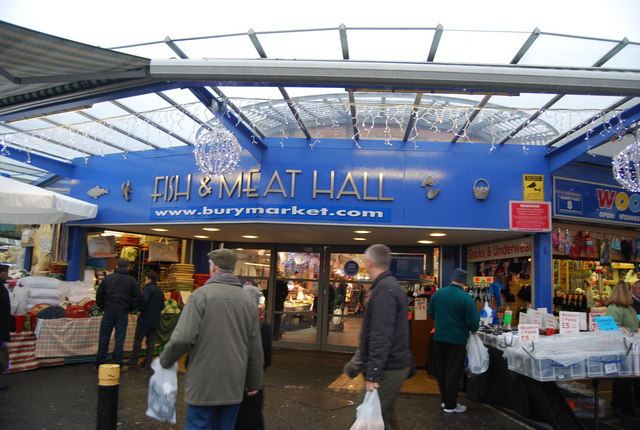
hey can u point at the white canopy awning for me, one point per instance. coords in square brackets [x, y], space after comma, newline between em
[22, 203]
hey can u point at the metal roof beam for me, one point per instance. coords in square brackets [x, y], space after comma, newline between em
[247, 139]
[354, 119]
[283, 91]
[593, 138]
[184, 111]
[183, 55]
[344, 43]
[151, 123]
[435, 43]
[412, 117]
[408, 76]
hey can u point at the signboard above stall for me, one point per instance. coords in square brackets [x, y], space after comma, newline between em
[501, 250]
[584, 200]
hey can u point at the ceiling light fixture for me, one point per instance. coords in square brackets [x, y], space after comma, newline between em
[200, 236]
[425, 242]
[359, 238]
[249, 236]
[160, 229]
[437, 234]
[210, 229]
[362, 231]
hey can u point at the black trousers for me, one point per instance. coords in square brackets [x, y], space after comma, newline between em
[141, 333]
[449, 367]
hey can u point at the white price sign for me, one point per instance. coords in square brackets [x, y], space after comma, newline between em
[569, 322]
[528, 332]
[420, 308]
[592, 320]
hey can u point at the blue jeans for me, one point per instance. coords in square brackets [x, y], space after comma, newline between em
[211, 417]
[111, 320]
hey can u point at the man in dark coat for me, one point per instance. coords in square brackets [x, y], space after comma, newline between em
[384, 339]
[117, 295]
[5, 321]
[150, 307]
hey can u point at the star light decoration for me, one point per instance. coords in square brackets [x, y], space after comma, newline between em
[217, 151]
[626, 166]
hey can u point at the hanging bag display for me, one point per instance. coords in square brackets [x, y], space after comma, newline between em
[163, 251]
[477, 356]
[369, 413]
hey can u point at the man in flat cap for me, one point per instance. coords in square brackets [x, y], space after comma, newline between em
[219, 329]
[455, 315]
[117, 295]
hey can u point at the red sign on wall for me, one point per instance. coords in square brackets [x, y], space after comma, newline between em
[529, 216]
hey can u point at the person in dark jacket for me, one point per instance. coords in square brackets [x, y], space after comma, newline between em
[5, 322]
[455, 315]
[150, 308]
[250, 414]
[117, 295]
[384, 339]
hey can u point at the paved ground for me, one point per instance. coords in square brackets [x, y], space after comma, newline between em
[297, 397]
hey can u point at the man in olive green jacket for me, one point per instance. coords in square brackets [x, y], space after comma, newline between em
[219, 329]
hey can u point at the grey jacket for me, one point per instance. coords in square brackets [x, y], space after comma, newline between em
[384, 338]
[219, 329]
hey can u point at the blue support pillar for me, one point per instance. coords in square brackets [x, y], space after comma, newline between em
[542, 271]
[76, 252]
[449, 261]
[199, 259]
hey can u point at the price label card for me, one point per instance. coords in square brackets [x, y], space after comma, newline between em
[522, 318]
[420, 308]
[534, 317]
[550, 321]
[610, 368]
[507, 317]
[607, 323]
[528, 332]
[592, 320]
[569, 323]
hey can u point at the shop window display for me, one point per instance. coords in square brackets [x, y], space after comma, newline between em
[296, 297]
[588, 262]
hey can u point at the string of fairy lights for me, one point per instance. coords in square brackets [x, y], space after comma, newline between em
[217, 150]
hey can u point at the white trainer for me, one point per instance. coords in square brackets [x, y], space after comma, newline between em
[458, 409]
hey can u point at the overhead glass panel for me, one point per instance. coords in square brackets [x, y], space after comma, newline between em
[573, 110]
[27, 141]
[628, 58]
[563, 51]
[389, 45]
[303, 45]
[254, 93]
[237, 46]
[153, 50]
[479, 47]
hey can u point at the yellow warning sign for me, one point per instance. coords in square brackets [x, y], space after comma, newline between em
[533, 188]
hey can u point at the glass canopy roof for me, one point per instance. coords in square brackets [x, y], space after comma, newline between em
[173, 117]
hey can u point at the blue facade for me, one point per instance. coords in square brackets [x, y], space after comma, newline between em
[297, 184]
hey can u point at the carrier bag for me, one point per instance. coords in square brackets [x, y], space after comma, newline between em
[369, 413]
[477, 356]
[163, 391]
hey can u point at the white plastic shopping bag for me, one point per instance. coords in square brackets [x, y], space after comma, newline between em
[163, 391]
[477, 355]
[369, 413]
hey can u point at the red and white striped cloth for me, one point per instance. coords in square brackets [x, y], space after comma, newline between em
[22, 353]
